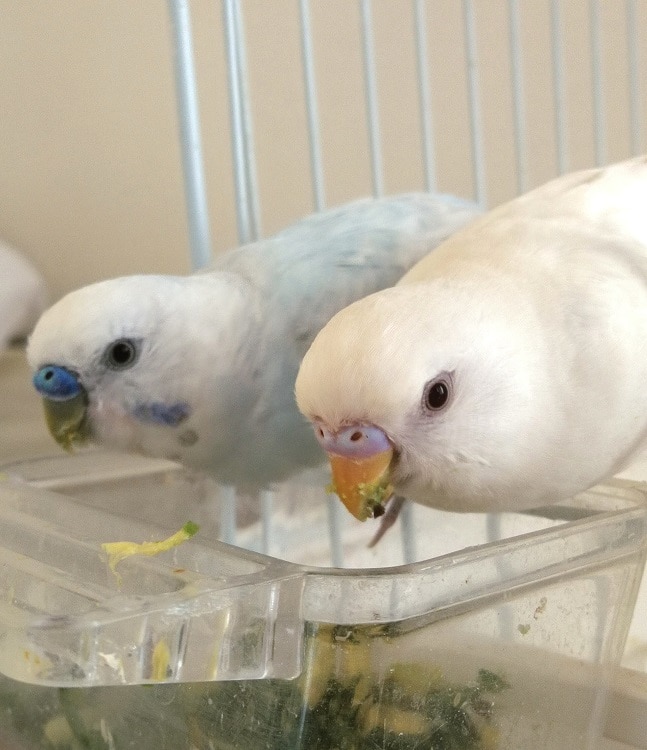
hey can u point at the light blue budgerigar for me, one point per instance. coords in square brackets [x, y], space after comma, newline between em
[201, 368]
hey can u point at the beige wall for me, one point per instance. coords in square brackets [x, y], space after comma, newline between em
[90, 175]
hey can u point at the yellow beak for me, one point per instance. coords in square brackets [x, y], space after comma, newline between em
[66, 420]
[362, 484]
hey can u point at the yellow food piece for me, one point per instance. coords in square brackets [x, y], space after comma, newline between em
[58, 732]
[415, 677]
[118, 551]
[160, 661]
[395, 720]
[489, 737]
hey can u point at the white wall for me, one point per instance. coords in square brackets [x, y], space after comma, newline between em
[90, 174]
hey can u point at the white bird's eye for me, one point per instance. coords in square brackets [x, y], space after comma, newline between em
[121, 354]
[437, 393]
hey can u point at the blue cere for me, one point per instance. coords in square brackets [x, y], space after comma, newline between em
[164, 414]
[56, 383]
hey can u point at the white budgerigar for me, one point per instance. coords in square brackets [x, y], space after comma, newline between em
[508, 369]
[201, 368]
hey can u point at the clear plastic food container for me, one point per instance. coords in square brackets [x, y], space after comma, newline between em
[504, 645]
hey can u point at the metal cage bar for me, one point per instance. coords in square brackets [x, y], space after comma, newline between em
[243, 208]
[426, 119]
[370, 84]
[599, 124]
[251, 181]
[633, 59]
[189, 120]
[476, 119]
[518, 110]
[312, 111]
[559, 93]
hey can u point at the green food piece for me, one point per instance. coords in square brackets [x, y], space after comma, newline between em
[375, 495]
[491, 682]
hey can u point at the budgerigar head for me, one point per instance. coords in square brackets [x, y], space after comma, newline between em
[126, 362]
[429, 390]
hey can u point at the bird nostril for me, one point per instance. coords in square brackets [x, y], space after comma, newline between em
[321, 432]
[357, 435]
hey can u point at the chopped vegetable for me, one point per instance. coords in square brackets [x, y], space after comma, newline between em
[374, 496]
[347, 698]
[161, 660]
[118, 551]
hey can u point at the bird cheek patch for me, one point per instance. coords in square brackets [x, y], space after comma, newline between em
[168, 415]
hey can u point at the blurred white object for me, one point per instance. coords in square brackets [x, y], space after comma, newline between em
[23, 295]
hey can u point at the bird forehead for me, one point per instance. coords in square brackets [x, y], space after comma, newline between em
[400, 327]
[374, 359]
[79, 325]
[359, 377]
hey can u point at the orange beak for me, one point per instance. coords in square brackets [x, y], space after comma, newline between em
[362, 484]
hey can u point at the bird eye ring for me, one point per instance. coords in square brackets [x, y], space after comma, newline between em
[121, 354]
[437, 393]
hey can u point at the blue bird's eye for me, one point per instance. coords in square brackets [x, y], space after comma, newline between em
[121, 354]
[56, 383]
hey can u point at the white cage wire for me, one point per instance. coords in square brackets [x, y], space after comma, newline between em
[630, 13]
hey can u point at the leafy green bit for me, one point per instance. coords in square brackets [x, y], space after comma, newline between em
[375, 495]
[491, 682]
